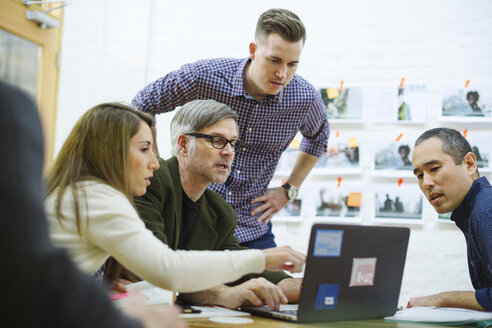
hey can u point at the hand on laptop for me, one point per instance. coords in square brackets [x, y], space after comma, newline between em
[284, 258]
[291, 287]
[255, 292]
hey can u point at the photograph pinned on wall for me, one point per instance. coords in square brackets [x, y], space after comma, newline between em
[466, 103]
[406, 103]
[344, 104]
[398, 202]
[481, 144]
[342, 155]
[338, 200]
[292, 212]
[288, 157]
[393, 155]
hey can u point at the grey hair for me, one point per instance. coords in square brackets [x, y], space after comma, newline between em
[453, 143]
[197, 115]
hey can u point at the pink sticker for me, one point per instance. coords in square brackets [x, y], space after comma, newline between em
[363, 270]
[115, 297]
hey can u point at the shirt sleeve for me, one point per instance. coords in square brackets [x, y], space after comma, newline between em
[165, 94]
[315, 129]
[482, 230]
[484, 298]
[115, 227]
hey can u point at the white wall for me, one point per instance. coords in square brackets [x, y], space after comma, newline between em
[111, 49]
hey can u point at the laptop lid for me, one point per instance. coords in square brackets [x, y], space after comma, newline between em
[352, 272]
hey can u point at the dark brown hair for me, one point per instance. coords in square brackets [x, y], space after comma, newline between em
[283, 22]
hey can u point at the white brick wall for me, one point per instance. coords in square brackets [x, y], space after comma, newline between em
[111, 49]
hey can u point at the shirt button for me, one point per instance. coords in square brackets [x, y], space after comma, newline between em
[238, 171]
[250, 129]
[244, 148]
[257, 105]
[229, 193]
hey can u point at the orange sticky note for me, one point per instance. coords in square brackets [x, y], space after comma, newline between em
[399, 137]
[354, 199]
[341, 85]
[465, 133]
[339, 182]
[337, 134]
[400, 182]
[401, 82]
[467, 83]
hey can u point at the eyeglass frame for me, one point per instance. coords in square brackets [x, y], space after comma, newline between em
[235, 144]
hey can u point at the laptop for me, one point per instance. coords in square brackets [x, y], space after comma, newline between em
[352, 273]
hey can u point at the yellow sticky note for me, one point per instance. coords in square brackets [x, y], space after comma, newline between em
[332, 93]
[295, 144]
[354, 199]
[353, 142]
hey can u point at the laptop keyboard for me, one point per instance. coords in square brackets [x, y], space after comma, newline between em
[289, 312]
[290, 309]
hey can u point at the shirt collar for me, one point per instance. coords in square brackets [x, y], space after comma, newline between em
[238, 85]
[462, 213]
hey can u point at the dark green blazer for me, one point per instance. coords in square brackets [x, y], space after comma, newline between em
[160, 208]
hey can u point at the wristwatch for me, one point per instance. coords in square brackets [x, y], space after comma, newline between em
[291, 191]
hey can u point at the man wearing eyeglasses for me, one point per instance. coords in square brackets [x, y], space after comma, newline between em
[180, 210]
[273, 104]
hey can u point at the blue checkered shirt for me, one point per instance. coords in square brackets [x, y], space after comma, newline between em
[474, 218]
[266, 127]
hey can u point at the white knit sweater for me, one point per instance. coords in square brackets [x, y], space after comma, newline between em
[114, 228]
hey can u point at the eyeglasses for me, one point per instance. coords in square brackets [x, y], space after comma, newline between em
[218, 142]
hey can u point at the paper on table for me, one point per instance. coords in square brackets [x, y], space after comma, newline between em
[439, 315]
[153, 295]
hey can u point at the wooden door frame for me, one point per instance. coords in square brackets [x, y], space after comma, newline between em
[13, 20]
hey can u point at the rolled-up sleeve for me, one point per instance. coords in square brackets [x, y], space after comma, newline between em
[315, 129]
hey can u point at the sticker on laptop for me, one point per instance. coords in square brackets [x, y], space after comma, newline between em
[327, 296]
[328, 243]
[363, 271]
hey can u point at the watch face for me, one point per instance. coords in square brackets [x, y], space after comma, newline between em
[292, 193]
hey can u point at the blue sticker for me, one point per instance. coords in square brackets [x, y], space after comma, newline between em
[328, 243]
[327, 297]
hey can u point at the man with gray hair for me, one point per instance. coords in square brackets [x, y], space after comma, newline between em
[273, 103]
[180, 210]
[446, 169]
